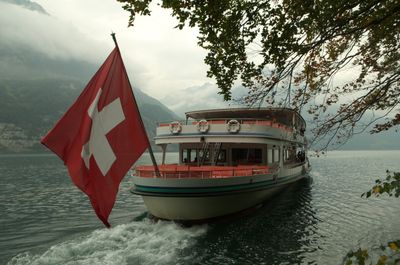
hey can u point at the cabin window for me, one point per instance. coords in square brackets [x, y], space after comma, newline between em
[242, 156]
[276, 155]
[189, 155]
[185, 155]
[300, 155]
[269, 156]
[193, 155]
[222, 156]
[286, 153]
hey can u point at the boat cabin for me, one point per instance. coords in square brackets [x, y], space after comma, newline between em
[262, 138]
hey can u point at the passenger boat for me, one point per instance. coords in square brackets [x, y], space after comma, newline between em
[230, 160]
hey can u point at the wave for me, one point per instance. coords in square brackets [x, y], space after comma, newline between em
[143, 242]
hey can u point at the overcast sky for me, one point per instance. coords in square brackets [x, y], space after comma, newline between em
[165, 59]
[164, 62]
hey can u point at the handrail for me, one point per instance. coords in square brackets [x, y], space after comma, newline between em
[182, 171]
[258, 121]
[213, 119]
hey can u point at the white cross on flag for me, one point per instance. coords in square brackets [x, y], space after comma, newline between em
[101, 135]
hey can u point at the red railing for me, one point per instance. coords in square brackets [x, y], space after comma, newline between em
[183, 171]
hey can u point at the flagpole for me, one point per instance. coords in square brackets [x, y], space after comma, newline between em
[153, 159]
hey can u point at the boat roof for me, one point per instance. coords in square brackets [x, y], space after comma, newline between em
[237, 113]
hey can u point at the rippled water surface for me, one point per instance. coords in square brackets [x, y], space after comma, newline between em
[44, 219]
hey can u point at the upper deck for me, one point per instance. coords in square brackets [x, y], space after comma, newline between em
[241, 125]
[286, 116]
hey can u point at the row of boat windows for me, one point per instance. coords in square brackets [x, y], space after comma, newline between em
[238, 156]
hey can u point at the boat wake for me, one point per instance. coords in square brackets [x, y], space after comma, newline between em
[144, 242]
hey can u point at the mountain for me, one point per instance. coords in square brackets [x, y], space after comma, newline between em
[20, 62]
[385, 140]
[29, 108]
[43, 71]
[28, 5]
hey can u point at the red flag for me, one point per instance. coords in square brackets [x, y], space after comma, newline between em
[101, 135]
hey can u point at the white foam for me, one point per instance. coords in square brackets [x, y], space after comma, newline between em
[315, 173]
[143, 242]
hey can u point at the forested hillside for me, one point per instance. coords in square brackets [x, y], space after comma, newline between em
[28, 109]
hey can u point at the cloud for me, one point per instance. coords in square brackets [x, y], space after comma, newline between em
[200, 97]
[45, 34]
[159, 58]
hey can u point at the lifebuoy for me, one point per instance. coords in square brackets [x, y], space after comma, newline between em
[233, 126]
[203, 126]
[175, 127]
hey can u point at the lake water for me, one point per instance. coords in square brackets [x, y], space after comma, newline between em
[44, 219]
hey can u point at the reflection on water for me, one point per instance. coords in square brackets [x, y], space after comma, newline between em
[279, 231]
[46, 220]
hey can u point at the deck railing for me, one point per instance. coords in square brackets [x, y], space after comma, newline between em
[183, 171]
[262, 122]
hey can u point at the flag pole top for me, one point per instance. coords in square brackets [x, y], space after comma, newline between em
[114, 38]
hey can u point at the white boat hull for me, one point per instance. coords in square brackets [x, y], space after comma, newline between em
[203, 199]
[203, 208]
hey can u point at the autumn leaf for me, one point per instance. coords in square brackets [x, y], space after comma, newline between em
[393, 246]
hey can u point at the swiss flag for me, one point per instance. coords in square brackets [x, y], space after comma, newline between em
[101, 135]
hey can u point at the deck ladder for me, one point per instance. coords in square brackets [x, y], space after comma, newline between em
[216, 152]
[205, 150]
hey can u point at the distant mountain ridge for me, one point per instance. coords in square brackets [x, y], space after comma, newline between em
[29, 108]
[28, 5]
[20, 62]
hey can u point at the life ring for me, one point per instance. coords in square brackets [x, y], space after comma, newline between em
[233, 126]
[175, 127]
[203, 126]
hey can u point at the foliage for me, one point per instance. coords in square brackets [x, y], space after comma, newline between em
[391, 186]
[288, 53]
[362, 257]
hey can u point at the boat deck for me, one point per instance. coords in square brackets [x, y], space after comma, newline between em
[184, 171]
[264, 122]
